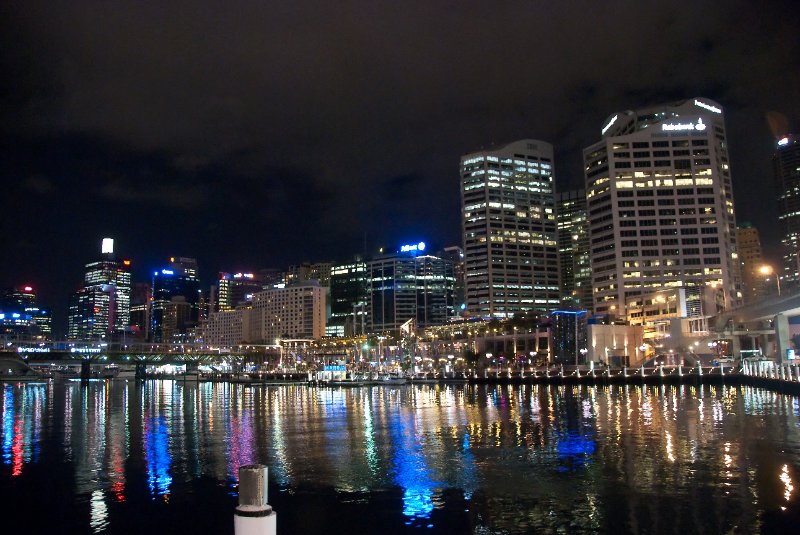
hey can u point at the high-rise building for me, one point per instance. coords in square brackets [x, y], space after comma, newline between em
[410, 285]
[455, 255]
[101, 308]
[752, 263]
[21, 316]
[349, 310]
[295, 311]
[573, 249]
[141, 296]
[177, 280]
[569, 335]
[786, 163]
[509, 230]
[236, 288]
[658, 189]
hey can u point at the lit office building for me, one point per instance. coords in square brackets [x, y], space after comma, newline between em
[509, 230]
[176, 301]
[658, 189]
[141, 295]
[754, 281]
[455, 255]
[573, 249]
[349, 310]
[410, 285]
[786, 163]
[21, 316]
[234, 289]
[101, 308]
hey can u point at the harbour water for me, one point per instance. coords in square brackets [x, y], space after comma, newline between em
[162, 457]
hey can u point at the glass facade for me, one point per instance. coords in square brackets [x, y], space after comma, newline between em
[405, 286]
[786, 162]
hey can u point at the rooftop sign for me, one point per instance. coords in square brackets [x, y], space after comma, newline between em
[708, 107]
[676, 127]
[413, 247]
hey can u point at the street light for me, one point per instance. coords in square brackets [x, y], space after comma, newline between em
[767, 271]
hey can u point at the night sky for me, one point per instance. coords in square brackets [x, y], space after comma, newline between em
[262, 134]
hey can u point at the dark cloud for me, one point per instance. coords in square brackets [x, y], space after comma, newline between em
[269, 133]
[38, 184]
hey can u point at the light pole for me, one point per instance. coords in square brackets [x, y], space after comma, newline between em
[767, 270]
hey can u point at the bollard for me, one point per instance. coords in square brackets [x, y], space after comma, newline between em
[253, 516]
[642, 370]
[661, 370]
[680, 370]
[699, 369]
[624, 371]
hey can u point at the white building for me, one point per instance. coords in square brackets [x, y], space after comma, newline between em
[660, 203]
[227, 327]
[509, 229]
[296, 311]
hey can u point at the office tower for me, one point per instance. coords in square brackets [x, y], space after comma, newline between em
[569, 335]
[786, 164]
[320, 271]
[752, 263]
[22, 317]
[658, 191]
[271, 277]
[235, 289]
[141, 295]
[349, 310]
[101, 308]
[455, 255]
[573, 249]
[176, 301]
[410, 285]
[509, 230]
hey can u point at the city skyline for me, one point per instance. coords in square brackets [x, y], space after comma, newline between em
[244, 144]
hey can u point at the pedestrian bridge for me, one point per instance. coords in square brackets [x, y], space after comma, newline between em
[67, 352]
[787, 304]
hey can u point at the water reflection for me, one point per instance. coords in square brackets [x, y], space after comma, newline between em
[508, 458]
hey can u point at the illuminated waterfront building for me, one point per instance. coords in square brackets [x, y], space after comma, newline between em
[349, 310]
[101, 308]
[573, 249]
[410, 285]
[660, 204]
[296, 311]
[509, 230]
[179, 280]
[21, 316]
[786, 163]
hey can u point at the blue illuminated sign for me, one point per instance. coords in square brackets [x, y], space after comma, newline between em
[167, 272]
[411, 248]
[335, 368]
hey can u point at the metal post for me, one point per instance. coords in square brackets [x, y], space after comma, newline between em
[253, 516]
